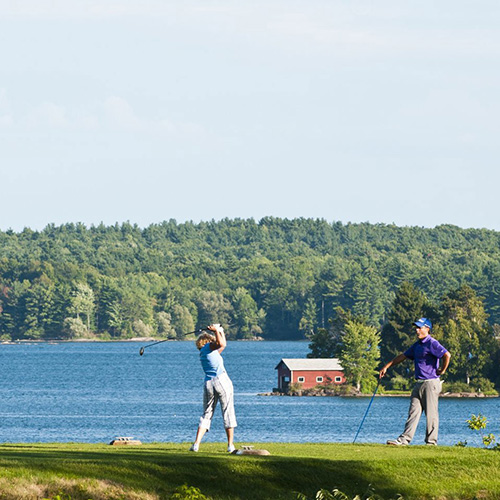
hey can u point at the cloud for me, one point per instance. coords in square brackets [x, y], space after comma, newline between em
[112, 114]
[6, 120]
[47, 114]
[363, 26]
[3, 99]
[119, 112]
[86, 9]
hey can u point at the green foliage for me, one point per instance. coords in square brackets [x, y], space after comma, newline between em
[482, 384]
[368, 384]
[165, 328]
[324, 344]
[308, 322]
[74, 328]
[186, 492]
[61, 496]
[275, 278]
[360, 353]
[479, 385]
[327, 343]
[83, 302]
[295, 388]
[478, 423]
[398, 333]
[399, 383]
[247, 318]
[467, 334]
[336, 494]
[457, 387]
[213, 307]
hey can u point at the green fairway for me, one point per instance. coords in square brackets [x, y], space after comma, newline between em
[154, 471]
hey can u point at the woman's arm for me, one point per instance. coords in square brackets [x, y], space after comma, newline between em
[220, 337]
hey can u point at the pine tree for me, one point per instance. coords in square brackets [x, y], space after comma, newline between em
[398, 333]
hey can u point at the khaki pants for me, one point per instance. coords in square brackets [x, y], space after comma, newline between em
[218, 389]
[424, 397]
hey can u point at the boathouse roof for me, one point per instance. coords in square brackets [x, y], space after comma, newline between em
[311, 364]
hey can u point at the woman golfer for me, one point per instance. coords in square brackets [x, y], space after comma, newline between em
[218, 386]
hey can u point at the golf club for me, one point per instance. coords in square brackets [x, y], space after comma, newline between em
[367, 410]
[141, 350]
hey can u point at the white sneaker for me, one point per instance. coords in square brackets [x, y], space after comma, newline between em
[194, 447]
[231, 448]
[396, 442]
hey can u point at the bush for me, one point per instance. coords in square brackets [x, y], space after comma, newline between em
[336, 494]
[399, 383]
[329, 390]
[75, 328]
[368, 385]
[484, 385]
[186, 492]
[457, 387]
[295, 388]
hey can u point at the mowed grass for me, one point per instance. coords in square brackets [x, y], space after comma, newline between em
[154, 471]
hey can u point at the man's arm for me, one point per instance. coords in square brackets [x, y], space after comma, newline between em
[398, 359]
[446, 361]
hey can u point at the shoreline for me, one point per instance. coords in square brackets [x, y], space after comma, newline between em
[451, 395]
[133, 339]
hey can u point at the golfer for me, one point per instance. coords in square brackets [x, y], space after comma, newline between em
[218, 386]
[426, 354]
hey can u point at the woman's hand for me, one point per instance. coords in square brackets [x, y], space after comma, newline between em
[220, 338]
[216, 328]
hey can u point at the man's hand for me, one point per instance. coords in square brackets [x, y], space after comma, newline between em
[382, 372]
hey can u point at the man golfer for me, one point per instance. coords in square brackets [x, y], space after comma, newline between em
[426, 354]
[218, 386]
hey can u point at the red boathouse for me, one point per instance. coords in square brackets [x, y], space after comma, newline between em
[309, 372]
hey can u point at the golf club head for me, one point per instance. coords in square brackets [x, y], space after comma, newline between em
[141, 351]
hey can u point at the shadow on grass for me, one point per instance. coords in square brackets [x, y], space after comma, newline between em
[161, 470]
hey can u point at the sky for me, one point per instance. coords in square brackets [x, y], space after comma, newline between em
[377, 111]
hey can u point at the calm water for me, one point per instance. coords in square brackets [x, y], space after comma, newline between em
[92, 392]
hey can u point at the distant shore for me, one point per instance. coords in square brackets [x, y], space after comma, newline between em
[327, 394]
[66, 341]
[133, 339]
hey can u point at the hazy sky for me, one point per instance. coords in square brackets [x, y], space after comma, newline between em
[145, 110]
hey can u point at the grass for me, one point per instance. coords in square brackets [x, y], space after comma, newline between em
[154, 471]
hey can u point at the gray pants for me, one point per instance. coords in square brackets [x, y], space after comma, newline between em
[218, 389]
[424, 397]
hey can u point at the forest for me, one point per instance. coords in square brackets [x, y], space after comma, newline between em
[273, 278]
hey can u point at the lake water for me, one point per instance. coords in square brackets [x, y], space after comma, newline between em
[92, 392]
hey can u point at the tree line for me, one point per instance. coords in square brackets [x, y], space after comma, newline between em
[273, 278]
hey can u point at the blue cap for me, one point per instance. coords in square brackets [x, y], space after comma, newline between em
[424, 322]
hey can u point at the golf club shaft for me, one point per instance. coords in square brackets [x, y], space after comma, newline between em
[165, 340]
[366, 413]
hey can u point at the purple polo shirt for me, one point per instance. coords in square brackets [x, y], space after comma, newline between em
[426, 354]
